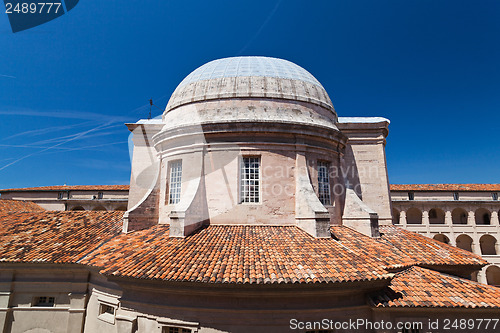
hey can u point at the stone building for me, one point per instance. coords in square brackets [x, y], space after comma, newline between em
[252, 208]
[463, 215]
[76, 197]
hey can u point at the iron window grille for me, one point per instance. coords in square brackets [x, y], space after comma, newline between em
[250, 180]
[324, 183]
[174, 188]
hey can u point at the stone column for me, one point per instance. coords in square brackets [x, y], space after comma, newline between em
[425, 217]
[497, 248]
[402, 218]
[481, 278]
[475, 247]
[471, 218]
[494, 219]
[447, 218]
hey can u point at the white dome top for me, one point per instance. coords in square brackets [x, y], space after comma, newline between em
[250, 66]
[250, 77]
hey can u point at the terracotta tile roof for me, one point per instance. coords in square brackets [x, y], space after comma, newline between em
[445, 187]
[11, 206]
[218, 253]
[70, 188]
[382, 251]
[58, 237]
[426, 251]
[234, 254]
[419, 287]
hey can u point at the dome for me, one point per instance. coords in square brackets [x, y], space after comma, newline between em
[250, 77]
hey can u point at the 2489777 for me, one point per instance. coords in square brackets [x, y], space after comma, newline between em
[33, 7]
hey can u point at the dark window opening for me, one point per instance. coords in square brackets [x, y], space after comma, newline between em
[44, 301]
[104, 308]
[411, 196]
[99, 195]
[456, 196]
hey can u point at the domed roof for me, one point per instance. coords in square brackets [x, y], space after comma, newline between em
[249, 77]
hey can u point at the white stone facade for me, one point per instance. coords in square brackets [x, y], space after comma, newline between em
[466, 219]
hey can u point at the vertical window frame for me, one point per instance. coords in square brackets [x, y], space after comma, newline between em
[174, 182]
[242, 193]
[323, 169]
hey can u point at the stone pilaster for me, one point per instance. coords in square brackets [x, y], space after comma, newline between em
[471, 218]
[448, 218]
[402, 218]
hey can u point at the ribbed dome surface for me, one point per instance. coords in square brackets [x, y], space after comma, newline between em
[250, 77]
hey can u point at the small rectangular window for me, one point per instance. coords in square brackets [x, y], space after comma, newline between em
[250, 180]
[456, 196]
[174, 185]
[324, 183]
[495, 196]
[60, 195]
[100, 195]
[107, 313]
[411, 196]
[44, 301]
[104, 308]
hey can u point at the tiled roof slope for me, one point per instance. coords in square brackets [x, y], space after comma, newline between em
[56, 237]
[445, 187]
[234, 254]
[218, 253]
[420, 287]
[12, 206]
[382, 251]
[70, 188]
[426, 251]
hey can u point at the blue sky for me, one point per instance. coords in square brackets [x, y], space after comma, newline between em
[431, 67]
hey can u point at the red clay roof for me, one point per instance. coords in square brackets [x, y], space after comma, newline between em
[56, 237]
[426, 251]
[70, 188]
[420, 287]
[11, 206]
[270, 254]
[219, 253]
[445, 187]
[234, 254]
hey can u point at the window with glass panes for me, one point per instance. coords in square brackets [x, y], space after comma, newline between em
[324, 183]
[174, 185]
[250, 179]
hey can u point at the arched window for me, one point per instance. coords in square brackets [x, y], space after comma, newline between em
[78, 208]
[442, 238]
[459, 216]
[436, 216]
[483, 216]
[493, 275]
[487, 243]
[414, 216]
[464, 242]
[99, 208]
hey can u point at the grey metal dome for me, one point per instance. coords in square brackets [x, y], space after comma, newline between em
[250, 77]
